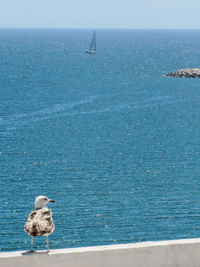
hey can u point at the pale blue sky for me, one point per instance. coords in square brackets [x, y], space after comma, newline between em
[169, 14]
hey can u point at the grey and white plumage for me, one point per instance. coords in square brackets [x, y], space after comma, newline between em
[40, 222]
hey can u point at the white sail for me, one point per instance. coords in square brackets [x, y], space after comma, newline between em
[92, 47]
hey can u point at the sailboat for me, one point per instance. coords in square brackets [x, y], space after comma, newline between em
[92, 48]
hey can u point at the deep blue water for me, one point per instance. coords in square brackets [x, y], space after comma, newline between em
[112, 140]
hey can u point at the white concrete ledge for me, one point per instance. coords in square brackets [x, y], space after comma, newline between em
[183, 253]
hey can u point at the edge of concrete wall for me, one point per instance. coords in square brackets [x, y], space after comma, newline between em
[157, 253]
[105, 247]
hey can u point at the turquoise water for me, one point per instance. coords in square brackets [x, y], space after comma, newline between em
[112, 140]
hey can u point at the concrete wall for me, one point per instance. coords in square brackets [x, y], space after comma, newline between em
[183, 253]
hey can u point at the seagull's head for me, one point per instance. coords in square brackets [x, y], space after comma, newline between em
[41, 202]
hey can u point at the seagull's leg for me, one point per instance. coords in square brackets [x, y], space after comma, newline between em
[47, 243]
[31, 244]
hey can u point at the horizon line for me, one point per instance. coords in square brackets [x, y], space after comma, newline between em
[97, 28]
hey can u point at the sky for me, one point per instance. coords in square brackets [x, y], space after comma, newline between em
[137, 14]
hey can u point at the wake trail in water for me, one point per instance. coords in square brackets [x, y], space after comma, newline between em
[12, 122]
[69, 109]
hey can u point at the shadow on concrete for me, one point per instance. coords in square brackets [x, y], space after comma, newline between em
[28, 253]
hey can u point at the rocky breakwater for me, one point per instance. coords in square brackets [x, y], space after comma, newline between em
[186, 73]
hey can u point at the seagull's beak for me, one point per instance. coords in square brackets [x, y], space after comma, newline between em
[51, 200]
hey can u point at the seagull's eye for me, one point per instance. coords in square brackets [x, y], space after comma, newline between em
[45, 198]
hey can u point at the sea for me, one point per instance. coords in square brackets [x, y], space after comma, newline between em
[113, 140]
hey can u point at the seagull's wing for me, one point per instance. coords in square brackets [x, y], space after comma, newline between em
[29, 226]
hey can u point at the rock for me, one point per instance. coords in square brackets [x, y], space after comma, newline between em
[187, 73]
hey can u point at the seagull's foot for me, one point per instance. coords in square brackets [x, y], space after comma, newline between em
[30, 251]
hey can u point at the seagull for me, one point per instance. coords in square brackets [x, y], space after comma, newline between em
[40, 222]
